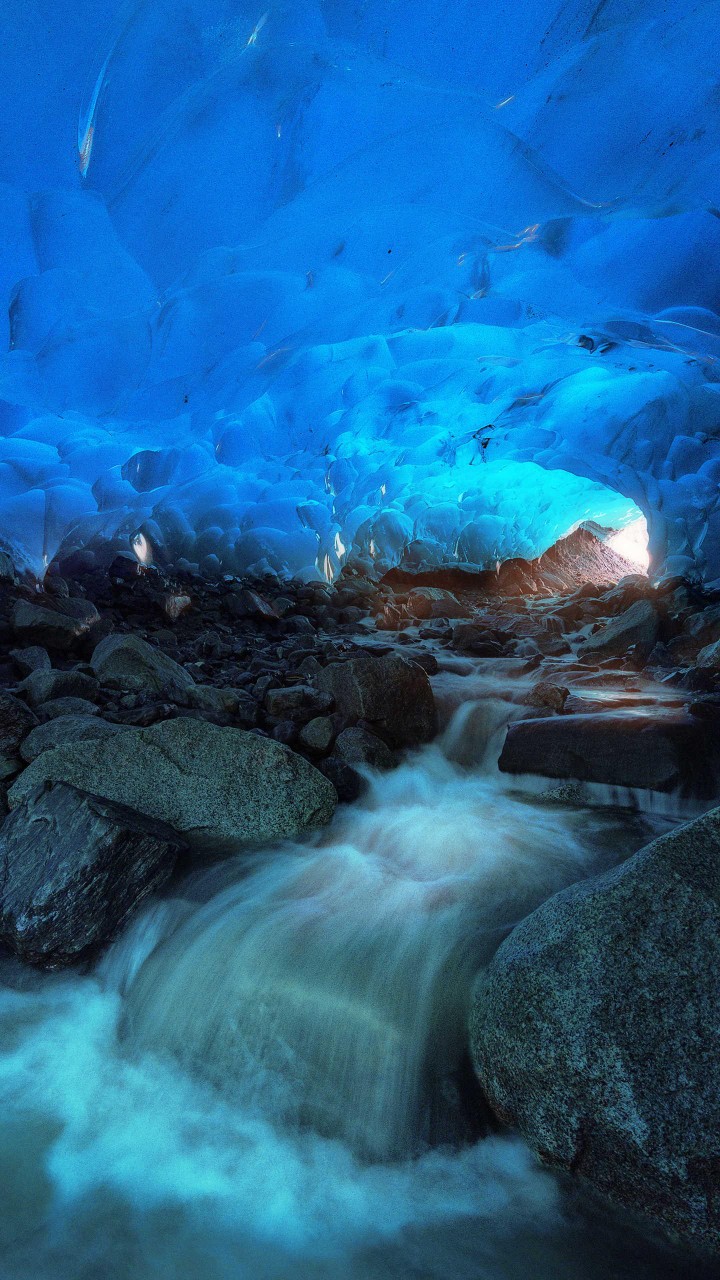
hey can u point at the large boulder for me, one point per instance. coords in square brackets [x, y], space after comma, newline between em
[639, 624]
[223, 788]
[434, 602]
[64, 729]
[623, 749]
[128, 663]
[595, 1031]
[74, 867]
[387, 691]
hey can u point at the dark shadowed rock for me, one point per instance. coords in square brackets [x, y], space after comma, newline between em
[126, 662]
[299, 702]
[53, 622]
[33, 658]
[249, 604]
[596, 1031]
[318, 735]
[434, 602]
[16, 721]
[348, 783]
[72, 869]
[221, 787]
[547, 694]
[631, 750]
[58, 707]
[236, 704]
[387, 691]
[359, 746]
[637, 625]
[7, 569]
[476, 639]
[42, 686]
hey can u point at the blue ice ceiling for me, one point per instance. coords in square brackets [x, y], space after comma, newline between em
[290, 282]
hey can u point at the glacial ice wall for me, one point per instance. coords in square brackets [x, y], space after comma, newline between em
[397, 279]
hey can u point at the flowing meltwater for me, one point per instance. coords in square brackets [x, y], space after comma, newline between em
[267, 1075]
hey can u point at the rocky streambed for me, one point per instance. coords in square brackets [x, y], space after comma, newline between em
[166, 743]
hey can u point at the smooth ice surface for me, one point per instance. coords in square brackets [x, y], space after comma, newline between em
[286, 284]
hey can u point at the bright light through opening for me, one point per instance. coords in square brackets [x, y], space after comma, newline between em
[632, 544]
[142, 548]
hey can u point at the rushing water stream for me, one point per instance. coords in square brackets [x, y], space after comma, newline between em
[266, 1077]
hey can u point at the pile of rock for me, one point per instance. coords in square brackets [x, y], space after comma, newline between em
[119, 755]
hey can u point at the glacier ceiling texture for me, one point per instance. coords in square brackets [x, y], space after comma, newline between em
[432, 279]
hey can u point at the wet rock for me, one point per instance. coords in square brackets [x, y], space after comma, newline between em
[434, 602]
[627, 591]
[126, 662]
[348, 783]
[390, 618]
[34, 658]
[55, 623]
[657, 752]
[68, 728]
[223, 788]
[387, 691]
[318, 735]
[637, 625]
[436, 631]
[547, 694]
[477, 640]
[428, 662]
[359, 746]
[553, 646]
[74, 867]
[596, 1032]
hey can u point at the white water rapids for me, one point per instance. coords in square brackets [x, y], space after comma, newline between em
[266, 1077]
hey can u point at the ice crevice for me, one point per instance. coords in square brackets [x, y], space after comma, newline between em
[327, 283]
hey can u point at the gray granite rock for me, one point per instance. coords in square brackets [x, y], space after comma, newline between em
[595, 1031]
[223, 788]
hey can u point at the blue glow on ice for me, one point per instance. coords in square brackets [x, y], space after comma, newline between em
[331, 280]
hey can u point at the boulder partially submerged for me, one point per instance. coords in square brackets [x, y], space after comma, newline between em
[657, 751]
[595, 1031]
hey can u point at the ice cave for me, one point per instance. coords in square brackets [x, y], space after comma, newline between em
[333, 281]
[360, 639]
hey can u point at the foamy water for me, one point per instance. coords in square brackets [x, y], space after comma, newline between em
[266, 1076]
